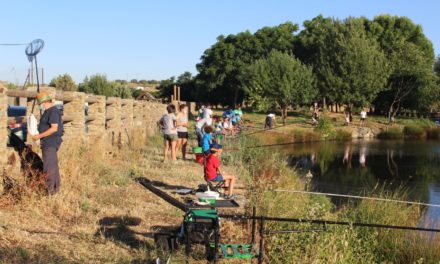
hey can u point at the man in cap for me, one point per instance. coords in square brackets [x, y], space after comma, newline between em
[50, 131]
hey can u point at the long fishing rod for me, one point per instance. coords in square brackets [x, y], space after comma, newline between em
[356, 197]
[13, 44]
[267, 129]
[273, 145]
[327, 222]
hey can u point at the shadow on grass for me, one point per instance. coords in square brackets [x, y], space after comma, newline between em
[118, 228]
[168, 186]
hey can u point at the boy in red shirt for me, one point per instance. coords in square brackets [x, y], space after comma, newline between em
[212, 169]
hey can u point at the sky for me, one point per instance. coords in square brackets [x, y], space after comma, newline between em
[159, 39]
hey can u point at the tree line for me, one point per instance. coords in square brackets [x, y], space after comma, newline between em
[98, 84]
[386, 63]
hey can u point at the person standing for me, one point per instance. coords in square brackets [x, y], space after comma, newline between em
[50, 132]
[199, 130]
[363, 117]
[168, 124]
[207, 114]
[182, 129]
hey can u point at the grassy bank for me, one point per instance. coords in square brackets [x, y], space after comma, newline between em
[103, 216]
[339, 244]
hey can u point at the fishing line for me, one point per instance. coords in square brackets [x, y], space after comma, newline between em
[13, 44]
[355, 197]
[267, 129]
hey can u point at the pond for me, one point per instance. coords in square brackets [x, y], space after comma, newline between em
[362, 166]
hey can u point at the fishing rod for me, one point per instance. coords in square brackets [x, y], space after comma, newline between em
[326, 222]
[274, 145]
[356, 197]
[267, 129]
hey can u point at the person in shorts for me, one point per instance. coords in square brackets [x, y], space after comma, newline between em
[213, 172]
[169, 129]
[182, 129]
[363, 117]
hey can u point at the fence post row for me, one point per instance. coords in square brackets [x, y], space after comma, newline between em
[87, 118]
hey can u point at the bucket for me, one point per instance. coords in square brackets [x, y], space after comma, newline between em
[197, 150]
[199, 158]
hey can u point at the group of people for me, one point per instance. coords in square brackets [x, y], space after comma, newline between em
[210, 129]
[209, 126]
[349, 118]
[175, 131]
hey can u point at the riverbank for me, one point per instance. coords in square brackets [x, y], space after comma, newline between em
[331, 126]
[103, 216]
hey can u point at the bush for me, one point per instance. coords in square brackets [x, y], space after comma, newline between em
[325, 127]
[392, 133]
[342, 135]
[413, 132]
[433, 133]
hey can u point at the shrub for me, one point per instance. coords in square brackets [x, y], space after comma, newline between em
[392, 133]
[342, 135]
[413, 132]
[325, 127]
[433, 133]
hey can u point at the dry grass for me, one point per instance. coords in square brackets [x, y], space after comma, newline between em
[101, 214]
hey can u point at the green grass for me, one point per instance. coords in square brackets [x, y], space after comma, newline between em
[414, 132]
[392, 133]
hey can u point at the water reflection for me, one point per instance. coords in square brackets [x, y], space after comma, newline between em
[358, 167]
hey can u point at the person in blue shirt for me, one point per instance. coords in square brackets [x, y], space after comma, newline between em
[207, 139]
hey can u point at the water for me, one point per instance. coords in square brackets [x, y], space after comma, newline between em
[359, 167]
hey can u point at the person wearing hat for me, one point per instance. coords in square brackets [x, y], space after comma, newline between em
[212, 169]
[50, 131]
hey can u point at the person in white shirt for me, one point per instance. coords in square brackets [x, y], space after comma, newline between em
[199, 130]
[363, 117]
[207, 115]
[270, 121]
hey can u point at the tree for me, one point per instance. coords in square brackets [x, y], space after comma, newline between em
[308, 48]
[411, 58]
[97, 84]
[120, 90]
[222, 64]
[133, 81]
[279, 80]
[352, 66]
[437, 67]
[411, 79]
[64, 82]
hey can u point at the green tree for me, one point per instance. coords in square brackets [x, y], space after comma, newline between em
[308, 48]
[133, 81]
[64, 82]
[411, 83]
[411, 58]
[352, 66]
[120, 90]
[437, 67]
[222, 64]
[279, 80]
[97, 84]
